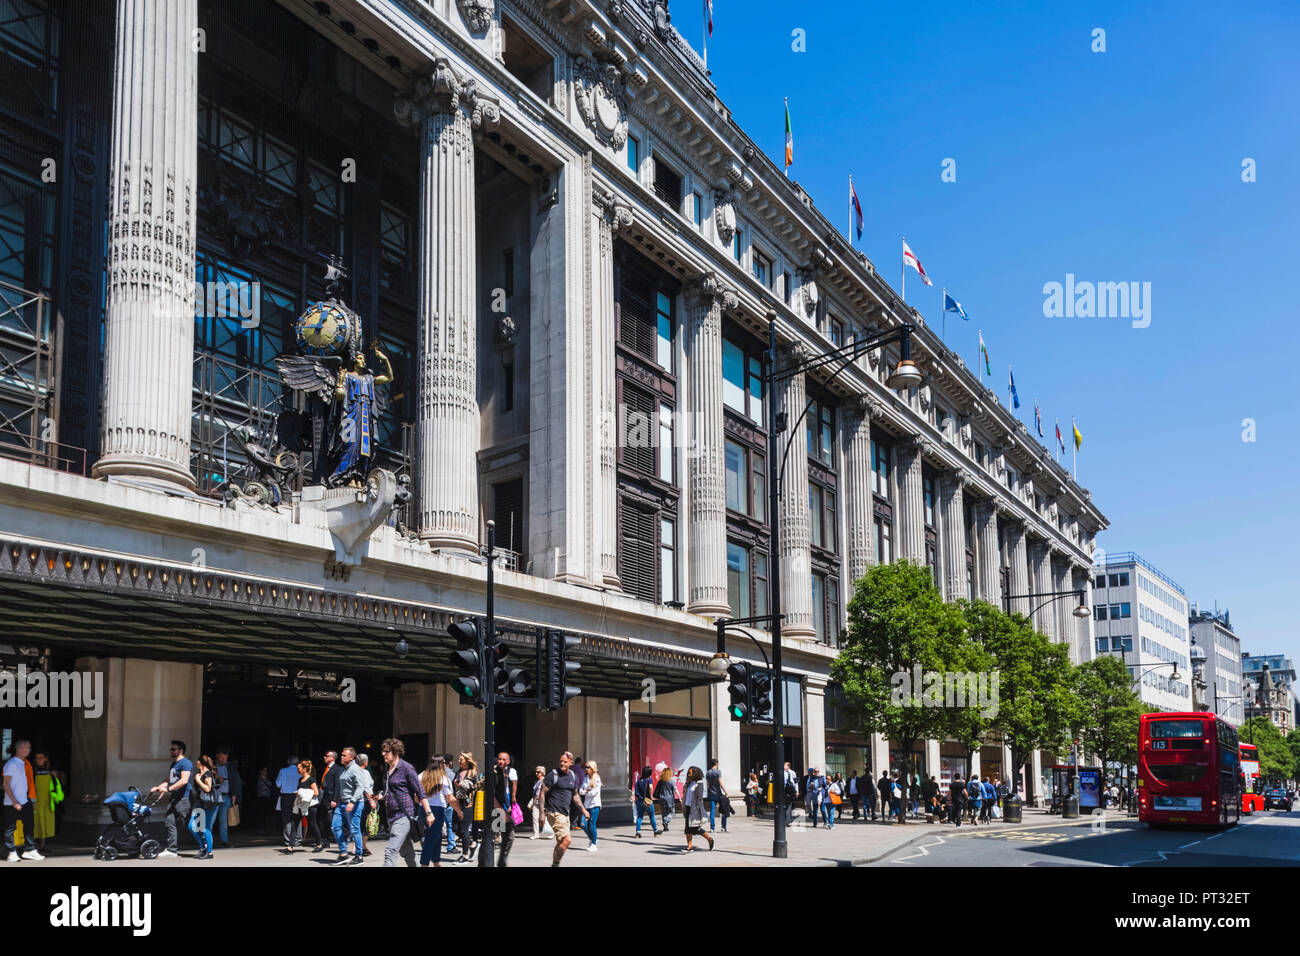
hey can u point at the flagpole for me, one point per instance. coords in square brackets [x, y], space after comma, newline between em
[1074, 430]
[979, 357]
[704, 29]
[851, 211]
[943, 302]
[903, 270]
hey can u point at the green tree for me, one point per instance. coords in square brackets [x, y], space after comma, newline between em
[1037, 704]
[899, 626]
[1109, 710]
[1275, 760]
[1293, 744]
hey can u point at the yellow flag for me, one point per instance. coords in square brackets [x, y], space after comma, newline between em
[1078, 436]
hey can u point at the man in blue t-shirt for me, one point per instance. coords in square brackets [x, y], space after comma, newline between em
[178, 785]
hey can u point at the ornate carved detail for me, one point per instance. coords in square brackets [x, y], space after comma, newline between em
[548, 194]
[708, 289]
[809, 295]
[866, 406]
[503, 334]
[601, 94]
[477, 14]
[724, 213]
[917, 443]
[246, 213]
[444, 91]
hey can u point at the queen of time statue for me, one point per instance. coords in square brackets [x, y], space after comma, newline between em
[346, 397]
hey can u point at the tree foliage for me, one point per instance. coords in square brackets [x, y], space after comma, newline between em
[1109, 710]
[1275, 756]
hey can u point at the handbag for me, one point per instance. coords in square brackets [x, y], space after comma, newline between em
[232, 815]
[419, 824]
[371, 823]
[997, 812]
[516, 814]
[836, 799]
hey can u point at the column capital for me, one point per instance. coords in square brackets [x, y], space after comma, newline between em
[959, 478]
[863, 405]
[917, 444]
[793, 352]
[443, 90]
[618, 214]
[709, 290]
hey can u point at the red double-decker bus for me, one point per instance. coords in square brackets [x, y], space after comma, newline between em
[1252, 787]
[1189, 768]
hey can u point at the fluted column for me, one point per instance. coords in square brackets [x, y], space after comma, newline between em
[149, 319]
[706, 471]
[1041, 568]
[858, 503]
[1065, 619]
[1082, 629]
[446, 111]
[988, 557]
[1018, 561]
[610, 216]
[911, 502]
[952, 513]
[796, 545]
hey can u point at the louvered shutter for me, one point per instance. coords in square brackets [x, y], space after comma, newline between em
[640, 429]
[638, 543]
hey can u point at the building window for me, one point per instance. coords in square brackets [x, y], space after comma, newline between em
[884, 540]
[737, 247]
[633, 154]
[637, 566]
[736, 468]
[820, 433]
[697, 209]
[1120, 580]
[821, 514]
[880, 469]
[667, 184]
[762, 268]
[979, 454]
[836, 332]
[667, 447]
[927, 488]
[742, 381]
[940, 419]
[1099, 612]
[788, 288]
[667, 560]
[646, 319]
[826, 607]
[738, 580]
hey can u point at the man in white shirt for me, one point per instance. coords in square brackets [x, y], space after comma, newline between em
[287, 784]
[17, 806]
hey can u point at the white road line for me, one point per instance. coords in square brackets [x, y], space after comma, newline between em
[1186, 845]
[923, 849]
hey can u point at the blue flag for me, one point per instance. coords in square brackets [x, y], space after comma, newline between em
[1012, 385]
[952, 305]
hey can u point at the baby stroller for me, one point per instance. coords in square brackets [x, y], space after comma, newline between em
[125, 836]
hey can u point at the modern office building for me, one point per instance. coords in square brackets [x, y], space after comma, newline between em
[568, 251]
[1212, 632]
[1141, 613]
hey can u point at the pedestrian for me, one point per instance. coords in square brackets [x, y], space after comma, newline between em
[643, 796]
[369, 803]
[717, 796]
[307, 799]
[49, 794]
[915, 794]
[512, 779]
[579, 772]
[559, 794]
[868, 790]
[329, 795]
[232, 792]
[589, 790]
[753, 796]
[437, 786]
[974, 798]
[18, 805]
[987, 796]
[206, 790]
[264, 792]
[896, 797]
[791, 792]
[956, 799]
[402, 793]
[884, 788]
[538, 808]
[286, 784]
[836, 795]
[503, 800]
[693, 807]
[351, 799]
[854, 795]
[465, 787]
[177, 814]
[665, 797]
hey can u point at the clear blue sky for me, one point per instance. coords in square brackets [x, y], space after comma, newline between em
[1115, 166]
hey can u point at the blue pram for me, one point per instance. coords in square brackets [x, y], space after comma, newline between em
[125, 836]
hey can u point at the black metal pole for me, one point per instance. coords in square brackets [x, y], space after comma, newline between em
[777, 777]
[490, 714]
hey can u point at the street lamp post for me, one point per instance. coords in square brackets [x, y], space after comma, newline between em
[905, 375]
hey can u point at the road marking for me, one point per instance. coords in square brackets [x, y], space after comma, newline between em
[1186, 845]
[923, 852]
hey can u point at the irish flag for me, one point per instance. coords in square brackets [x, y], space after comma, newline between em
[789, 137]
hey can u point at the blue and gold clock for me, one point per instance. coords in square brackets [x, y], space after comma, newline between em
[324, 328]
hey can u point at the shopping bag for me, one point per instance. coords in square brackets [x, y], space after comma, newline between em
[232, 815]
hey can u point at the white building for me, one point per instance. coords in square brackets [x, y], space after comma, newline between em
[569, 251]
[1212, 632]
[1141, 613]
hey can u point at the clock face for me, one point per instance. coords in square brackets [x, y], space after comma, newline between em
[322, 329]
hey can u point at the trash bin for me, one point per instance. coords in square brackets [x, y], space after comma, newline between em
[1012, 808]
[1070, 808]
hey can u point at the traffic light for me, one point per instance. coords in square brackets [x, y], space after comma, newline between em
[556, 667]
[741, 691]
[510, 679]
[469, 661]
[761, 694]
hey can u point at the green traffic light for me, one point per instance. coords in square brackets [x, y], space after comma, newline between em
[737, 712]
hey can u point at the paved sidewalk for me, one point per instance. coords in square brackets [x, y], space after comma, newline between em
[749, 843]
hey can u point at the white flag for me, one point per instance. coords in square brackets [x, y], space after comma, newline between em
[909, 259]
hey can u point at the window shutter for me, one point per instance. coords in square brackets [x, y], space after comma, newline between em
[508, 513]
[638, 552]
[640, 429]
[637, 323]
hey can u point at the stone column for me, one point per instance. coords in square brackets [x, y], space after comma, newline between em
[1041, 568]
[911, 500]
[610, 217]
[814, 722]
[932, 756]
[1065, 618]
[1082, 630]
[879, 756]
[858, 503]
[976, 758]
[705, 467]
[447, 112]
[952, 513]
[988, 558]
[149, 319]
[726, 738]
[1018, 561]
[796, 545]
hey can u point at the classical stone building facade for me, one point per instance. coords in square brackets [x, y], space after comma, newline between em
[569, 251]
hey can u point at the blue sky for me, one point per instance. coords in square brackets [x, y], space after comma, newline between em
[1117, 166]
